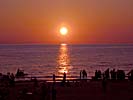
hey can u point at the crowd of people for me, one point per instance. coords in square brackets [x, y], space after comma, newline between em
[83, 74]
[108, 74]
[8, 79]
[113, 74]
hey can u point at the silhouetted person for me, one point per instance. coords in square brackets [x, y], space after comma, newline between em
[96, 75]
[84, 74]
[54, 79]
[113, 74]
[64, 77]
[100, 74]
[120, 75]
[107, 74]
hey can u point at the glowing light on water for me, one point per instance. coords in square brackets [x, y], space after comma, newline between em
[63, 60]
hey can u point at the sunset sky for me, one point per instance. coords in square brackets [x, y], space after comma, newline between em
[88, 21]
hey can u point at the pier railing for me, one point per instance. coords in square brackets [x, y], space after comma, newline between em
[50, 78]
[57, 78]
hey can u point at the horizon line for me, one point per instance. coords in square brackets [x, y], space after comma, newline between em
[65, 43]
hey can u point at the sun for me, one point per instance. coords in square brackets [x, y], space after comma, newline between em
[63, 31]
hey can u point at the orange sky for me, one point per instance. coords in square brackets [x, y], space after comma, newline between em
[88, 21]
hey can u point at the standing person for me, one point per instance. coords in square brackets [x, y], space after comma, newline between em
[99, 73]
[64, 77]
[53, 79]
[113, 74]
[107, 74]
[84, 74]
[96, 74]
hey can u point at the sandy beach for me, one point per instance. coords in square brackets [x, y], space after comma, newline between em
[91, 90]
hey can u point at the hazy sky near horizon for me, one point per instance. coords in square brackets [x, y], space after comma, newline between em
[88, 21]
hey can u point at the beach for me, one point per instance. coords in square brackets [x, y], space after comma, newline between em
[80, 90]
[94, 91]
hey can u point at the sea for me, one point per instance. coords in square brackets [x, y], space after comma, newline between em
[46, 60]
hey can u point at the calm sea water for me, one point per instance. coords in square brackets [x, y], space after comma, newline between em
[40, 60]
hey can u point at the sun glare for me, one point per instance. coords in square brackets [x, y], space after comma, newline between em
[63, 31]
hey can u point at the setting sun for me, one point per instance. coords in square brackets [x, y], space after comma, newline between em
[63, 31]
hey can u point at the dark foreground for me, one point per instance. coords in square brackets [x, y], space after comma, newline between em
[91, 90]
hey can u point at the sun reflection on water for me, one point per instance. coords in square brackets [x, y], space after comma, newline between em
[63, 60]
